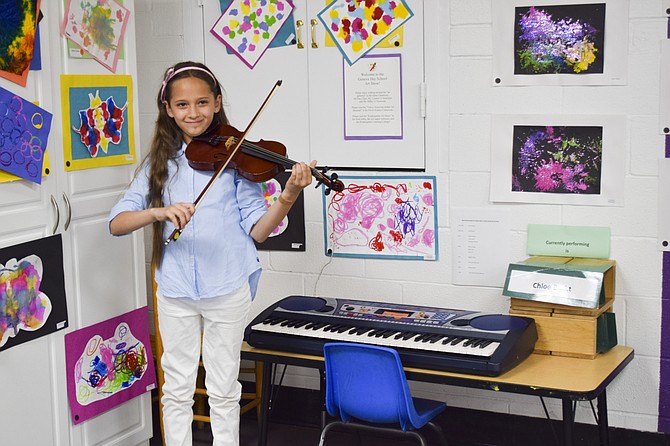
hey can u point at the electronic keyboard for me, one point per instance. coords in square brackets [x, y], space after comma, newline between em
[425, 337]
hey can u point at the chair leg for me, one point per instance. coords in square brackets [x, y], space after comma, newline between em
[322, 439]
[358, 427]
[439, 431]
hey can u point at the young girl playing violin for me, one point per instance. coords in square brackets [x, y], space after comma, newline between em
[207, 279]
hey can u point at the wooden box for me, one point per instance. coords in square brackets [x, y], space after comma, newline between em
[565, 330]
[573, 335]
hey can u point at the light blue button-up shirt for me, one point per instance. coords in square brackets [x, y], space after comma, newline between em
[215, 254]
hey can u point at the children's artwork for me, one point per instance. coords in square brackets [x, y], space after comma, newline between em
[36, 61]
[32, 291]
[285, 37]
[248, 27]
[24, 133]
[18, 21]
[357, 27]
[289, 235]
[382, 217]
[560, 159]
[97, 27]
[97, 121]
[108, 364]
[560, 42]
[394, 39]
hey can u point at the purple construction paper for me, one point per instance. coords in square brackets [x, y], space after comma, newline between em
[24, 132]
[108, 364]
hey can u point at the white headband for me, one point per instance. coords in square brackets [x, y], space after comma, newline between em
[172, 73]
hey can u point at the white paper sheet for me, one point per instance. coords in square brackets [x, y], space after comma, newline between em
[481, 246]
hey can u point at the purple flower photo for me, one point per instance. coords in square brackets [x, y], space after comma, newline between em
[557, 159]
[559, 39]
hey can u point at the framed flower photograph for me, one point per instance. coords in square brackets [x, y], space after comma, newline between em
[560, 42]
[558, 159]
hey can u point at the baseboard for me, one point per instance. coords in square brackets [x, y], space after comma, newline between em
[302, 407]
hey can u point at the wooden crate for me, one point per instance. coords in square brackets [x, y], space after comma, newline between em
[580, 336]
[565, 330]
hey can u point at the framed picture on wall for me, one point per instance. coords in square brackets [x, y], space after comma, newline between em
[560, 42]
[97, 121]
[393, 217]
[558, 159]
[289, 235]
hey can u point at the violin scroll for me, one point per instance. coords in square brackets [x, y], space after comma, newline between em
[331, 182]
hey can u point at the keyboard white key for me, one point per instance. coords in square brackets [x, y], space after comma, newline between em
[305, 330]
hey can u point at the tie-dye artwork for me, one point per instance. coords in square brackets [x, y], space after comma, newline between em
[108, 363]
[559, 39]
[32, 291]
[357, 26]
[289, 235]
[383, 217]
[98, 121]
[557, 159]
[97, 27]
[18, 28]
[24, 132]
[25, 307]
[248, 27]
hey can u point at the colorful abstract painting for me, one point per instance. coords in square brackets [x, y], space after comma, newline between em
[289, 235]
[559, 39]
[32, 291]
[358, 26]
[285, 37]
[560, 42]
[248, 27]
[96, 27]
[18, 33]
[97, 121]
[108, 363]
[382, 217]
[557, 159]
[24, 133]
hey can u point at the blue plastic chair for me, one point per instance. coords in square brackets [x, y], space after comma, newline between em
[367, 383]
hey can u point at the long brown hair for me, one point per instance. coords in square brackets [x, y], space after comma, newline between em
[167, 139]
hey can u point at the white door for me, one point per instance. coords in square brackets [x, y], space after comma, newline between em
[104, 276]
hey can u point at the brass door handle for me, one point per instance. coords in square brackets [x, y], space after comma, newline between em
[298, 25]
[313, 24]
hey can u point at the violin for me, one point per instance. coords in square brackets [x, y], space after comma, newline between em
[256, 161]
[225, 147]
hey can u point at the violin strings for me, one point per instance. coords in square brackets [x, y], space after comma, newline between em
[273, 157]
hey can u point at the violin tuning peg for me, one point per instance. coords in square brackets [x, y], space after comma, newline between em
[326, 192]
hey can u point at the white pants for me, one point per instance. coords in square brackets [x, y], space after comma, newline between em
[220, 323]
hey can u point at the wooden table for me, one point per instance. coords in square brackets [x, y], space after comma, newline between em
[568, 379]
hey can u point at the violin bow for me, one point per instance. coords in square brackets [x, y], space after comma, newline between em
[177, 231]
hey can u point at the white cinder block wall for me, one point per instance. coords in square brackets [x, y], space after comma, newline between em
[461, 103]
